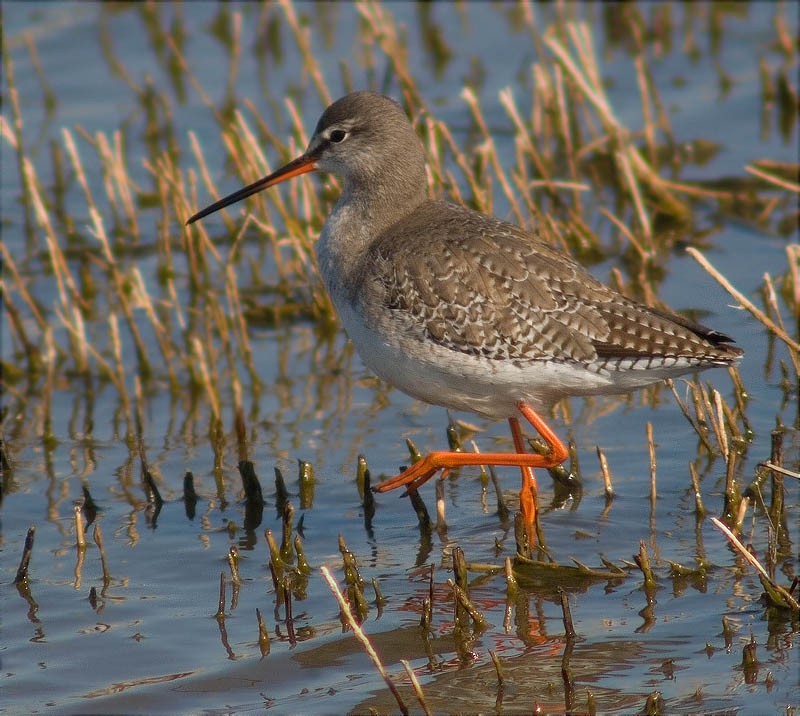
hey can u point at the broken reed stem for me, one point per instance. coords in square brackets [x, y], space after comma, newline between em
[742, 513]
[97, 534]
[220, 615]
[362, 637]
[263, 634]
[652, 452]
[569, 627]
[80, 536]
[698, 497]
[502, 508]
[441, 517]
[27, 551]
[420, 509]
[287, 604]
[643, 561]
[732, 494]
[233, 563]
[609, 489]
[462, 599]
[498, 667]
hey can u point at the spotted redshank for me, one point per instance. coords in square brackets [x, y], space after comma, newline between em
[463, 310]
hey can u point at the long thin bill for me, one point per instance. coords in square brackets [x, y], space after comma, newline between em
[302, 165]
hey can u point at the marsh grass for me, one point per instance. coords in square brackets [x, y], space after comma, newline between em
[108, 288]
[186, 322]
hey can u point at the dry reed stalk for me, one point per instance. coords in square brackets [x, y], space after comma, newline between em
[302, 35]
[644, 254]
[384, 33]
[469, 96]
[777, 181]
[121, 293]
[248, 153]
[698, 496]
[183, 66]
[18, 332]
[363, 638]
[65, 282]
[86, 346]
[80, 343]
[710, 415]
[116, 347]
[644, 91]
[789, 600]
[235, 48]
[169, 352]
[717, 417]
[651, 448]
[732, 494]
[566, 134]
[417, 687]
[624, 161]
[771, 300]
[80, 535]
[78, 571]
[609, 489]
[116, 180]
[199, 355]
[19, 283]
[14, 137]
[206, 178]
[700, 413]
[98, 231]
[435, 161]
[741, 513]
[443, 131]
[541, 111]
[239, 327]
[780, 470]
[584, 71]
[745, 303]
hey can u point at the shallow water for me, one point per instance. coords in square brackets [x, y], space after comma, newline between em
[149, 642]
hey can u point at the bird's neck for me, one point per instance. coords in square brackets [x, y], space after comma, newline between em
[362, 214]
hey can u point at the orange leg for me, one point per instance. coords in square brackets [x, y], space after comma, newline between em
[528, 490]
[422, 471]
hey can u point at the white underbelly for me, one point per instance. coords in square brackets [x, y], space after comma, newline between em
[460, 381]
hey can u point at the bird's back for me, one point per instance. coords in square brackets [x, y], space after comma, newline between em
[480, 286]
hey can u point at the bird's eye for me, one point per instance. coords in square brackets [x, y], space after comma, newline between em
[338, 135]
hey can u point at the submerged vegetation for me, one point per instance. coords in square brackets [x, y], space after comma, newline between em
[109, 298]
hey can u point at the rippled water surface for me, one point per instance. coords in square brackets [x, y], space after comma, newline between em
[147, 641]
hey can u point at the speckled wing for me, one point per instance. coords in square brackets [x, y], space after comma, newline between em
[487, 288]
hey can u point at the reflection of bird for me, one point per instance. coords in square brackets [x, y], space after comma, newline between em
[463, 310]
